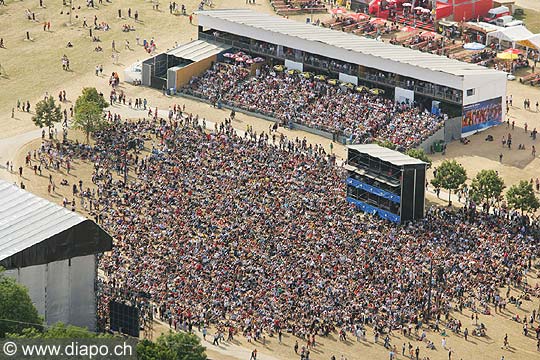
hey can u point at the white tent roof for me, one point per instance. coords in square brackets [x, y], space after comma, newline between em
[342, 40]
[487, 27]
[26, 219]
[531, 41]
[511, 34]
[196, 50]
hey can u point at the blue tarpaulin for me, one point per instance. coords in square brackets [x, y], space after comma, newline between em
[372, 189]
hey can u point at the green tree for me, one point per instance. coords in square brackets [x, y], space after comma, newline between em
[16, 309]
[450, 176]
[420, 155]
[58, 331]
[89, 119]
[148, 350]
[91, 95]
[172, 346]
[47, 113]
[487, 186]
[62, 331]
[521, 197]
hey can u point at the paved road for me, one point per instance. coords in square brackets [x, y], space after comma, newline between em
[9, 148]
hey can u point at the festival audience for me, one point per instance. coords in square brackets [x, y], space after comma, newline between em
[253, 234]
[360, 116]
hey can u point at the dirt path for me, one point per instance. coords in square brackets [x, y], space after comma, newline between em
[33, 68]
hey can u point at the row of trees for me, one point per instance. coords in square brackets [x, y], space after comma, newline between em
[19, 319]
[486, 187]
[88, 112]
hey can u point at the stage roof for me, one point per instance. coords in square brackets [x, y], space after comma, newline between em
[35, 231]
[392, 156]
[346, 41]
[196, 50]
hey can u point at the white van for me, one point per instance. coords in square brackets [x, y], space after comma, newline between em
[515, 23]
[496, 13]
[503, 20]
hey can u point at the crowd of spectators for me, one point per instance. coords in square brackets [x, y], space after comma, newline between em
[253, 234]
[293, 98]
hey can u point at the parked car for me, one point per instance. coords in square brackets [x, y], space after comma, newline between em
[515, 23]
[503, 20]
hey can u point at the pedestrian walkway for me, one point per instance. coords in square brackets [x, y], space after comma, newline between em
[227, 348]
[9, 147]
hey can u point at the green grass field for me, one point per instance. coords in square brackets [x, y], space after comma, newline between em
[531, 18]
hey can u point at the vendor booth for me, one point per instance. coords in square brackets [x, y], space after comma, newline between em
[509, 37]
[450, 29]
[532, 42]
[478, 31]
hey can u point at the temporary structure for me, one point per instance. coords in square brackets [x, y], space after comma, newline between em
[508, 37]
[532, 42]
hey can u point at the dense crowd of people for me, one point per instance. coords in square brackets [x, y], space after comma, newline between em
[360, 116]
[253, 234]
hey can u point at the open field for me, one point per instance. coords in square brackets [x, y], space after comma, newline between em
[33, 68]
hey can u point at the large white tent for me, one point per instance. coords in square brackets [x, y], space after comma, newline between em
[532, 42]
[508, 37]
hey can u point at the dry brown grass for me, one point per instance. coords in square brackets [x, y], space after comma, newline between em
[34, 67]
